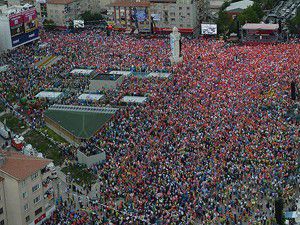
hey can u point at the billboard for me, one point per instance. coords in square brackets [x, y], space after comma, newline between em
[78, 23]
[23, 27]
[209, 29]
[30, 20]
[156, 17]
[144, 26]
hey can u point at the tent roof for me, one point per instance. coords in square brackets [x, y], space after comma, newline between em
[48, 94]
[82, 71]
[260, 26]
[241, 5]
[158, 74]
[125, 73]
[93, 97]
[133, 99]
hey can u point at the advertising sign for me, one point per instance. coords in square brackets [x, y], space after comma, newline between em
[156, 17]
[23, 27]
[43, 216]
[144, 26]
[23, 38]
[78, 23]
[30, 20]
[209, 29]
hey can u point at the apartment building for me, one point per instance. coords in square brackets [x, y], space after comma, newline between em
[186, 15]
[60, 11]
[3, 217]
[183, 14]
[19, 2]
[27, 189]
[63, 11]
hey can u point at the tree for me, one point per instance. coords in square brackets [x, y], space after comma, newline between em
[224, 21]
[49, 24]
[294, 24]
[253, 14]
[88, 16]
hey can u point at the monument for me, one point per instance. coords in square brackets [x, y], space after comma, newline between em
[175, 41]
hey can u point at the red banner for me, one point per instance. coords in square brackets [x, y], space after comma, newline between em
[43, 216]
[16, 19]
[29, 15]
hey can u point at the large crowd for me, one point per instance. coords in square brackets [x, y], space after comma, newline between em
[212, 145]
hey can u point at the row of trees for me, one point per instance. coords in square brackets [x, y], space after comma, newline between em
[226, 24]
[294, 24]
[252, 14]
[86, 16]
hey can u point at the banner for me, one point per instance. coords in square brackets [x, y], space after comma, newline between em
[26, 37]
[23, 27]
[78, 23]
[209, 29]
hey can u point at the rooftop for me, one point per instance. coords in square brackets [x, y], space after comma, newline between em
[81, 121]
[60, 2]
[126, 3]
[21, 166]
[241, 5]
[260, 26]
[112, 77]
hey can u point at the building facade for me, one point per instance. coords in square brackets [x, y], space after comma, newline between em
[63, 11]
[27, 188]
[18, 25]
[186, 15]
[3, 213]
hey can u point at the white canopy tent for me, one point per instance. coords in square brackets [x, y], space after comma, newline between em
[49, 95]
[90, 97]
[82, 71]
[157, 74]
[125, 73]
[134, 99]
[3, 68]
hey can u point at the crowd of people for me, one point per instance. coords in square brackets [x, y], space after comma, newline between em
[212, 145]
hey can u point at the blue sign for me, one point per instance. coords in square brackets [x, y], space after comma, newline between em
[141, 15]
[23, 38]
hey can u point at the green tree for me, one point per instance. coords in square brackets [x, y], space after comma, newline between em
[294, 24]
[88, 16]
[49, 24]
[224, 21]
[253, 14]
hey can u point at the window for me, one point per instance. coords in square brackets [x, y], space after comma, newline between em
[27, 219]
[25, 194]
[38, 211]
[188, 8]
[26, 206]
[36, 187]
[2, 222]
[23, 183]
[172, 19]
[1, 210]
[37, 199]
[34, 176]
[180, 8]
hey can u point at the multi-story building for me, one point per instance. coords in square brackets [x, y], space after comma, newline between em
[186, 15]
[3, 213]
[59, 11]
[183, 14]
[63, 11]
[19, 2]
[27, 189]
